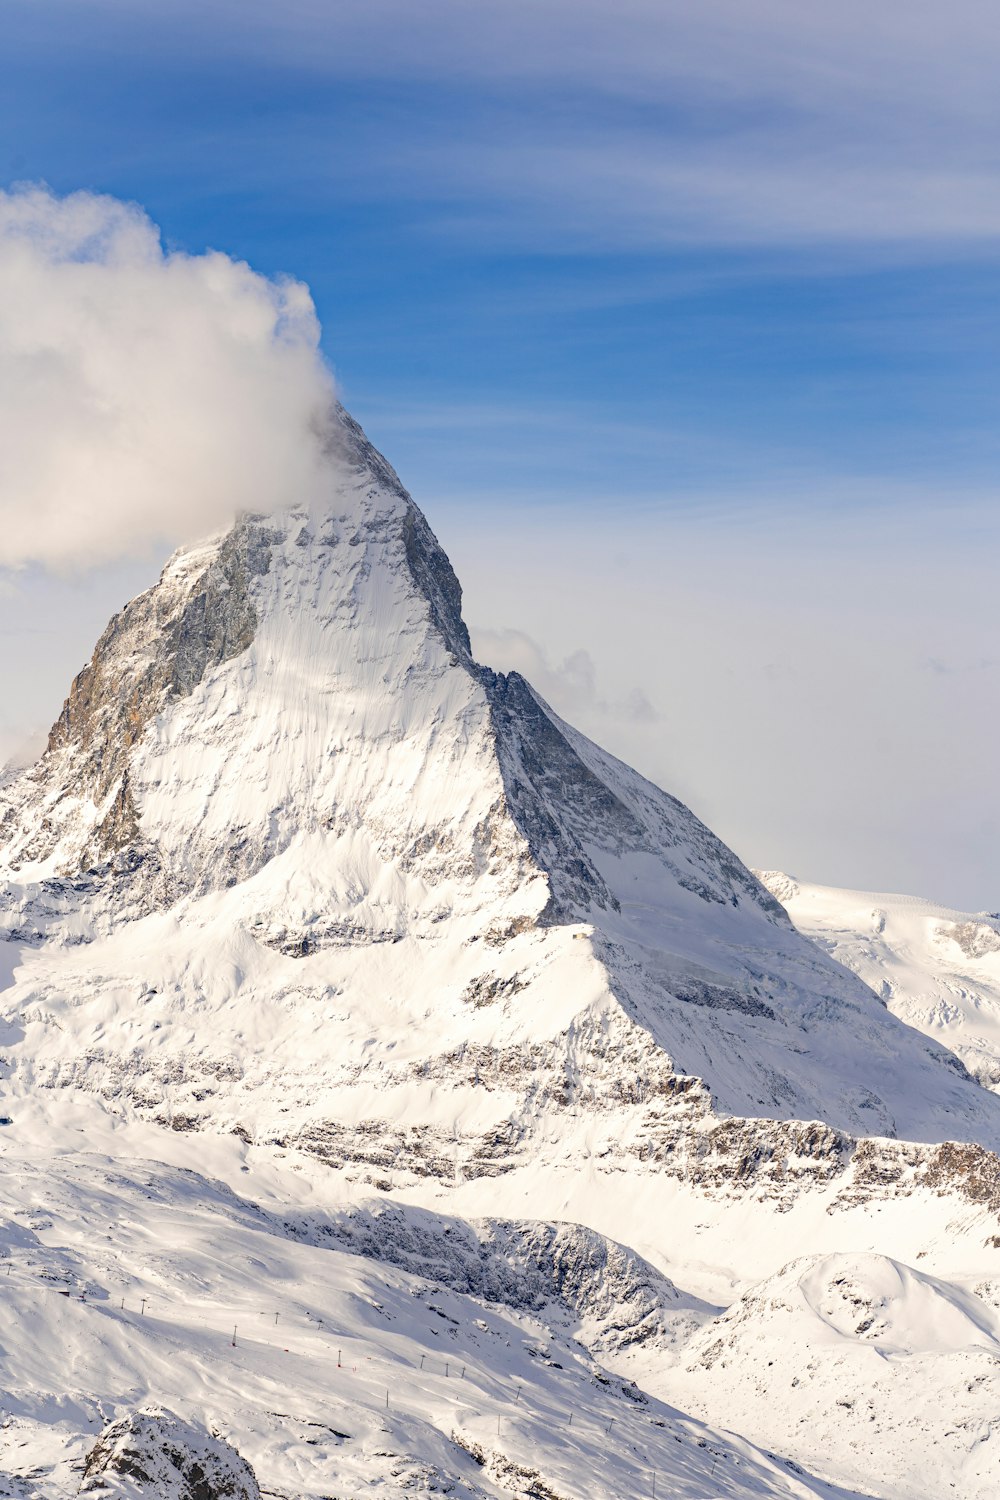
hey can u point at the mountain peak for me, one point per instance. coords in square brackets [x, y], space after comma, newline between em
[283, 775]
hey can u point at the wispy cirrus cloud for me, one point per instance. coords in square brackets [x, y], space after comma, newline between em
[637, 123]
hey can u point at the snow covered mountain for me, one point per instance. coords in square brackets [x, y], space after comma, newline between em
[291, 853]
[449, 998]
[936, 969]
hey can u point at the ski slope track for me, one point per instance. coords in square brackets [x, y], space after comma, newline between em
[362, 1022]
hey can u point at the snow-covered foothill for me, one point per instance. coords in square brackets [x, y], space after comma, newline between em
[143, 1284]
[877, 1372]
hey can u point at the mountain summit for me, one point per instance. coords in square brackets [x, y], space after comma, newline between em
[294, 865]
[508, 1110]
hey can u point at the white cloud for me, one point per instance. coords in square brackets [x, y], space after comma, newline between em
[145, 395]
[20, 748]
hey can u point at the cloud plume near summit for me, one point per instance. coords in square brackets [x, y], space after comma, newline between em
[146, 394]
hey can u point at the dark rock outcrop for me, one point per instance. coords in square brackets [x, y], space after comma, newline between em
[151, 1454]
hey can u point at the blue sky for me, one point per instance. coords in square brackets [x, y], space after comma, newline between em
[729, 268]
[509, 236]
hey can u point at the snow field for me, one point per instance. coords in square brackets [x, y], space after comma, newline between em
[191, 1261]
[879, 1373]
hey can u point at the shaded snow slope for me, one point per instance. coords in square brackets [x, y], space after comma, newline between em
[936, 969]
[578, 1278]
[293, 865]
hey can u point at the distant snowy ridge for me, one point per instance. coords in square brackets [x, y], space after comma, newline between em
[937, 969]
[854, 1351]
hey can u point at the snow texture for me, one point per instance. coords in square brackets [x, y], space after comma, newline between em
[857, 1352]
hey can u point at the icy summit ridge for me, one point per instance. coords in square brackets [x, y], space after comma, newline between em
[204, 611]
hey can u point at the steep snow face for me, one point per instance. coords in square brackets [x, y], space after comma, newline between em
[936, 969]
[294, 866]
[289, 682]
[885, 1375]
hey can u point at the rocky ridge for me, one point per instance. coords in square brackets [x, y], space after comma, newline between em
[152, 1452]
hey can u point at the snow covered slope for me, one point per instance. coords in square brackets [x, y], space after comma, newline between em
[935, 968]
[329, 1371]
[881, 1372]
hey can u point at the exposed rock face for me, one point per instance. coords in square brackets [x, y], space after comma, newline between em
[682, 1140]
[153, 1455]
[160, 646]
[157, 649]
[567, 1272]
[571, 811]
[974, 939]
